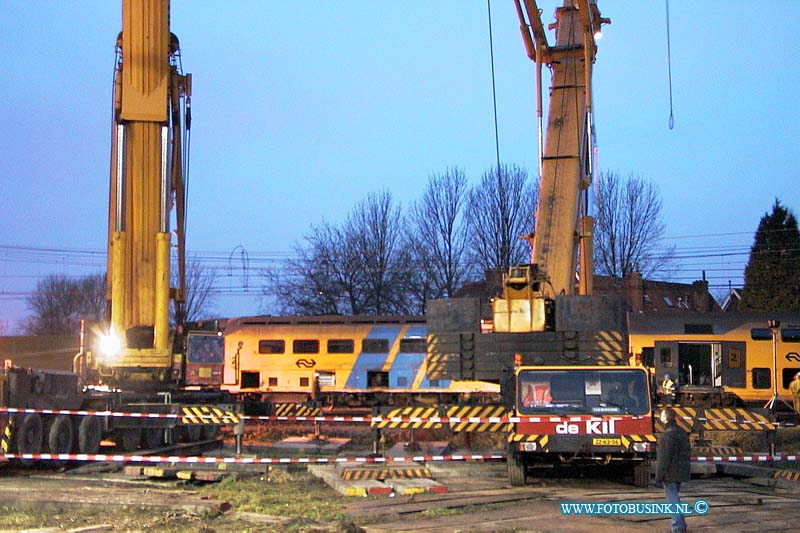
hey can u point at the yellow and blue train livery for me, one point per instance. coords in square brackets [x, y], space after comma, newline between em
[344, 360]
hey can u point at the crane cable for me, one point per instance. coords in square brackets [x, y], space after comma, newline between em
[669, 70]
[494, 89]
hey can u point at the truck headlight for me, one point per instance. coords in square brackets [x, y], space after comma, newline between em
[641, 446]
[530, 446]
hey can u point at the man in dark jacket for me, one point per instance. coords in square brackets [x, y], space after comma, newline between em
[673, 463]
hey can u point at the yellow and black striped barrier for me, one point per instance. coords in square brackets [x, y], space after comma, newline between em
[410, 417]
[205, 414]
[7, 425]
[692, 419]
[295, 409]
[487, 418]
[381, 474]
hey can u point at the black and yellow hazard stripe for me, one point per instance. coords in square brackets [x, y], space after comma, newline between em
[612, 347]
[464, 412]
[380, 474]
[719, 419]
[717, 451]
[791, 475]
[296, 409]
[7, 426]
[424, 413]
[541, 440]
[205, 414]
[629, 440]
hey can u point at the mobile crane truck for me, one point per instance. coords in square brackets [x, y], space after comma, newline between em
[559, 352]
[136, 362]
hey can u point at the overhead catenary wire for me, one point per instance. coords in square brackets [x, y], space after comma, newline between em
[669, 72]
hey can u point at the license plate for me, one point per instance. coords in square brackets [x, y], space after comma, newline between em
[607, 442]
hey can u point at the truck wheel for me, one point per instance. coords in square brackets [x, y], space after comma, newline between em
[90, 433]
[641, 473]
[127, 439]
[152, 438]
[190, 433]
[61, 436]
[209, 431]
[516, 470]
[29, 434]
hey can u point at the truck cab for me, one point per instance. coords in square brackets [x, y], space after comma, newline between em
[581, 414]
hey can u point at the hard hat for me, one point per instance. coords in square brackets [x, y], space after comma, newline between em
[667, 376]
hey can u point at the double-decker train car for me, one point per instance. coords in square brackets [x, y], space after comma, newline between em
[720, 358]
[351, 361]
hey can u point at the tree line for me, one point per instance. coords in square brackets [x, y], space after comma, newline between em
[386, 259]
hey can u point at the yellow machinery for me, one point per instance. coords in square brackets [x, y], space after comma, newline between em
[563, 230]
[151, 117]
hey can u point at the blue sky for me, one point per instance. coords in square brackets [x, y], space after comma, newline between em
[300, 109]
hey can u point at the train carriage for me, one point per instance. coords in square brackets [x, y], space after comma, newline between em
[343, 360]
[720, 358]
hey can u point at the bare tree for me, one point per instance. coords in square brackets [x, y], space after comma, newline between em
[628, 227]
[438, 237]
[59, 303]
[500, 210]
[200, 298]
[361, 267]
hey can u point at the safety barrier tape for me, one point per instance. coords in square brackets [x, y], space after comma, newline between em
[114, 458]
[121, 458]
[359, 419]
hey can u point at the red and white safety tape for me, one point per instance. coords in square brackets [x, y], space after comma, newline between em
[114, 458]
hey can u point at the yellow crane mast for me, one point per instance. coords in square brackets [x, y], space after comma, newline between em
[563, 227]
[151, 112]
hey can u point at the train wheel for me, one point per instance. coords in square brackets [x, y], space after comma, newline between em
[190, 433]
[152, 438]
[29, 435]
[127, 439]
[61, 435]
[516, 470]
[90, 433]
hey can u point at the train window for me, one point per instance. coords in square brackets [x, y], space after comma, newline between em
[698, 329]
[305, 346]
[413, 346]
[341, 346]
[761, 334]
[788, 376]
[271, 346]
[761, 378]
[666, 356]
[375, 346]
[790, 335]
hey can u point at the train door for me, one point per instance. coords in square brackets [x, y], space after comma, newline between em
[691, 363]
[733, 359]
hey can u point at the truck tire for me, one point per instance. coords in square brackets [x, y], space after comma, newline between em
[516, 470]
[641, 473]
[190, 433]
[29, 434]
[152, 438]
[90, 433]
[127, 439]
[209, 431]
[61, 435]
